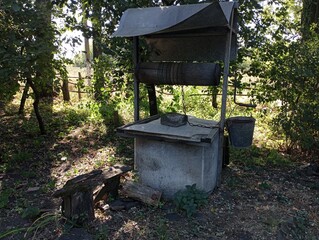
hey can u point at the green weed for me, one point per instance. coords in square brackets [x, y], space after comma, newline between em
[49, 186]
[22, 157]
[296, 227]
[28, 174]
[234, 182]
[45, 220]
[84, 150]
[30, 212]
[16, 160]
[264, 186]
[112, 160]
[103, 233]
[190, 199]
[255, 156]
[99, 164]
[5, 197]
[161, 230]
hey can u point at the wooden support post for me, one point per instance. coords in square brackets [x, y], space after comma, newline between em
[152, 99]
[136, 81]
[110, 189]
[77, 196]
[111, 180]
[78, 207]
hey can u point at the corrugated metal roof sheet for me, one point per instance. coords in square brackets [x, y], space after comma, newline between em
[144, 21]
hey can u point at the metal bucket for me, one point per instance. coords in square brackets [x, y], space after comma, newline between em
[241, 131]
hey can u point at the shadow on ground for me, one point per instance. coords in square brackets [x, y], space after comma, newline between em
[263, 195]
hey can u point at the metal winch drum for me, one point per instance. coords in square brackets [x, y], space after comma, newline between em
[172, 73]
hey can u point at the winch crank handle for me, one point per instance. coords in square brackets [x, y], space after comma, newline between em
[242, 104]
[245, 104]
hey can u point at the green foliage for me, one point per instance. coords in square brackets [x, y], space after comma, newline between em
[73, 116]
[162, 230]
[33, 232]
[264, 186]
[296, 227]
[190, 199]
[4, 197]
[27, 44]
[50, 186]
[102, 233]
[234, 182]
[79, 59]
[293, 80]
[255, 156]
[31, 212]
[286, 65]
[16, 160]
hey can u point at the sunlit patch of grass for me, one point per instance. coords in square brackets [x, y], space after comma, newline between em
[99, 164]
[255, 156]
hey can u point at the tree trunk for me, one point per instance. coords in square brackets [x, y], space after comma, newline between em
[24, 98]
[36, 105]
[310, 15]
[87, 53]
[38, 115]
[45, 37]
[97, 50]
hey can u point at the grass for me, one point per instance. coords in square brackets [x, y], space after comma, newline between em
[259, 156]
[4, 197]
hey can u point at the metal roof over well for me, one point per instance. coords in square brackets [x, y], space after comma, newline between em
[157, 20]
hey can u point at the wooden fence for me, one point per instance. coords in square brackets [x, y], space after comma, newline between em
[75, 85]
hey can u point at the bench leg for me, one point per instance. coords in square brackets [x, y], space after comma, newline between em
[79, 207]
[111, 187]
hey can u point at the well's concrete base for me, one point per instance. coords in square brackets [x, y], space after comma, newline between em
[170, 166]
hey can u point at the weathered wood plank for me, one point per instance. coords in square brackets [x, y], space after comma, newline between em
[142, 193]
[80, 183]
[90, 180]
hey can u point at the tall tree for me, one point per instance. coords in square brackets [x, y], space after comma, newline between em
[96, 18]
[27, 48]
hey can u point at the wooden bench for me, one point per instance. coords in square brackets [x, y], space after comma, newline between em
[77, 193]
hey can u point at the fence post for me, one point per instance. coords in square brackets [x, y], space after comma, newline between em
[79, 85]
[65, 89]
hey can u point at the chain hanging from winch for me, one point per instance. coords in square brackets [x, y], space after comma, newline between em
[185, 112]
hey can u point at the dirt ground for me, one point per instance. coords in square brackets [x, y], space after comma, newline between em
[255, 201]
